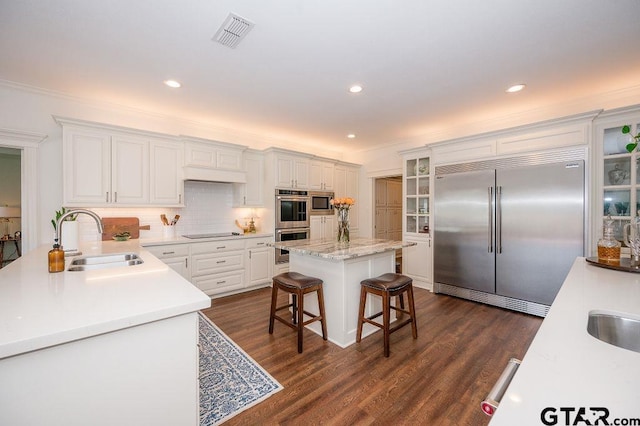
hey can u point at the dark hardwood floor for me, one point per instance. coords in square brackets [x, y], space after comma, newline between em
[438, 379]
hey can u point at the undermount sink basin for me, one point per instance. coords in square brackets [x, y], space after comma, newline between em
[615, 329]
[87, 263]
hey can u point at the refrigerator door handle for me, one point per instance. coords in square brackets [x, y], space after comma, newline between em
[499, 219]
[490, 204]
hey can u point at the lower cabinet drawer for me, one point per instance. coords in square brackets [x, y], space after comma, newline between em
[206, 264]
[219, 283]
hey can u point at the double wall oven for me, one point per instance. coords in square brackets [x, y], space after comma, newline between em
[292, 219]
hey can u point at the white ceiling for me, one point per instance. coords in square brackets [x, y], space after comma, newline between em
[425, 65]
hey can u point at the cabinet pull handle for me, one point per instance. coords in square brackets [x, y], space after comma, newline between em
[186, 262]
[221, 261]
[115, 194]
[292, 183]
[260, 244]
[179, 198]
[168, 252]
[221, 247]
[221, 282]
[106, 200]
[244, 200]
[249, 254]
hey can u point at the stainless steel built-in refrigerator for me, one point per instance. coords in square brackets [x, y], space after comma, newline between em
[507, 231]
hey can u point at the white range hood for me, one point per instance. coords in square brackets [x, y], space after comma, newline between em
[214, 175]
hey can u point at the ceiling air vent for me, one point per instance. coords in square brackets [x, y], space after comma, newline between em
[233, 30]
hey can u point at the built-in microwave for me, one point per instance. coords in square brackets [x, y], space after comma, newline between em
[292, 209]
[321, 203]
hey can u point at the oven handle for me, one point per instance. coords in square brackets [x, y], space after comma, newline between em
[292, 230]
[292, 198]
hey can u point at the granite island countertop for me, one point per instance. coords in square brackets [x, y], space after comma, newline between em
[333, 250]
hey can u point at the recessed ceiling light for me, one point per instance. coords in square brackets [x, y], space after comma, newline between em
[356, 88]
[516, 88]
[351, 136]
[172, 83]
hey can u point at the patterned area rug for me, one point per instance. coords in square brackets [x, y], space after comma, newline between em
[230, 380]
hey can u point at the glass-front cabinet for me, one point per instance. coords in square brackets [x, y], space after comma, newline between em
[617, 173]
[417, 180]
[417, 260]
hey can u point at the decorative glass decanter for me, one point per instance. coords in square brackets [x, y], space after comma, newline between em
[608, 246]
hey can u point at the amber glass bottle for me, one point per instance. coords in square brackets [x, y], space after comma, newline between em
[56, 259]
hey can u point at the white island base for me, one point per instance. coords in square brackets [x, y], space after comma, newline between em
[342, 291]
[142, 375]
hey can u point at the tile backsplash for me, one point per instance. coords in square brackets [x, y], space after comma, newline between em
[208, 208]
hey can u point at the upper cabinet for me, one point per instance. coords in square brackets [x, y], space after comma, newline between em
[417, 181]
[321, 175]
[617, 171]
[291, 171]
[206, 154]
[106, 166]
[165, 167]
[346, 184]
[251, 194]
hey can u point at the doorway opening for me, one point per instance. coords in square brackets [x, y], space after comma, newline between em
[388, 212]
[10, 205]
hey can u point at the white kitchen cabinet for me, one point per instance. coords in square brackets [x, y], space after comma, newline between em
[259, 259]
[291, 171]
[211, 155]
[617, 172]
[321, 175]
[165, 166]
[176, 256]
[417, 262]
[323, 227]
[129, 170]
[86, 165]
[251, 193]
[346, 184]
[218, 267]
[108, 166]
[101, 168]
[417, 171]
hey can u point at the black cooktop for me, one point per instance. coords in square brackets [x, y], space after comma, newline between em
[216, 235]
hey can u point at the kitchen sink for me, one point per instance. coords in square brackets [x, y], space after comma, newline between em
[87, 263]
[615, 329]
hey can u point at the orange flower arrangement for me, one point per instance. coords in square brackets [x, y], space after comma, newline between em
[343, 203]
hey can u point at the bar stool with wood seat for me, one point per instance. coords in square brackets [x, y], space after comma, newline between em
[297, 285]
[387, 286]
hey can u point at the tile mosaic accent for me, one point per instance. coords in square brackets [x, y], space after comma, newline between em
[230, 380]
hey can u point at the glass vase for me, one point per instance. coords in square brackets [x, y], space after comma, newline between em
[343, 225]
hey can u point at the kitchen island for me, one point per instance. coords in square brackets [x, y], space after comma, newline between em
[341, 266]
[104, 346]
[566, 370]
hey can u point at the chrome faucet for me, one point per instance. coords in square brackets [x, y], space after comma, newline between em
[72, 212]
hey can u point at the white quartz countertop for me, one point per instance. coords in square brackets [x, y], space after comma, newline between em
[39, 309]
[334, 250]
[567, 367]
[181, 239]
